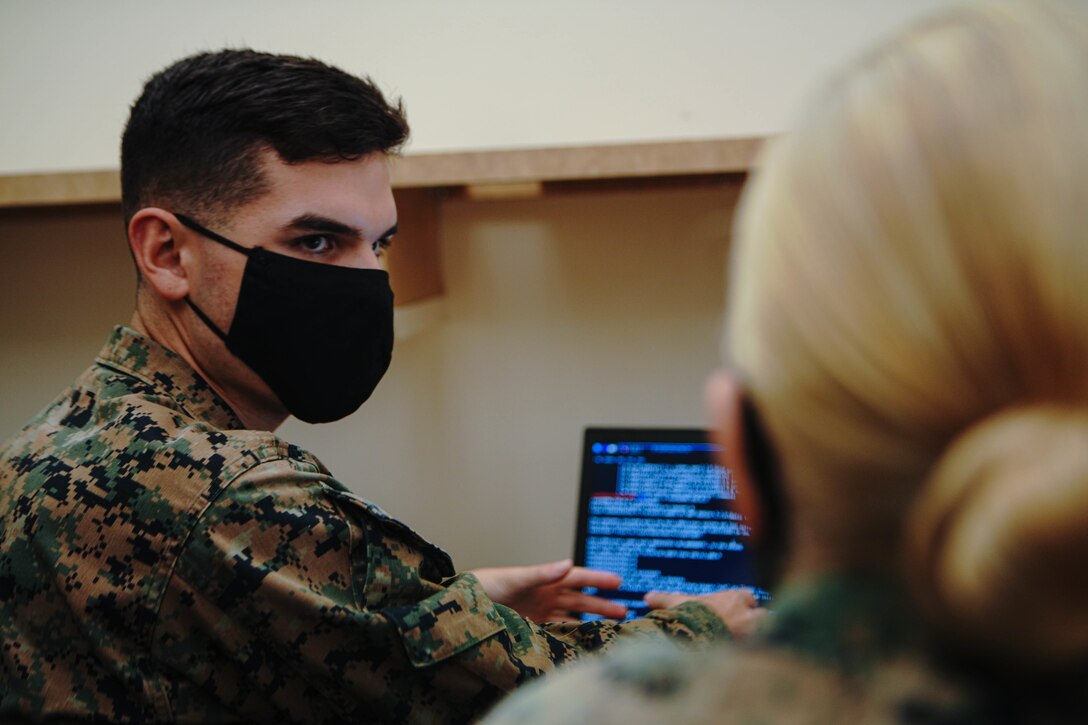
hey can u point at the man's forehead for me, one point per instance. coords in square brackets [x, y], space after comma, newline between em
[346, 197]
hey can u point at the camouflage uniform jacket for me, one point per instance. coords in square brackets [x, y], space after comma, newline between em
[839, 650]
[159, 562]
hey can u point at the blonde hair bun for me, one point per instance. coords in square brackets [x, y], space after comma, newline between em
[997, 541]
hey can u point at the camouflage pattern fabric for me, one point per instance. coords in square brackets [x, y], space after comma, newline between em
[838, 650]
[160, 563]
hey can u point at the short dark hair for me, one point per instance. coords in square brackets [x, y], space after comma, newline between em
[194, 136]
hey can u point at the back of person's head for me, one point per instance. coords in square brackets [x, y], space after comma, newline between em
[909, 313]
[195, 134]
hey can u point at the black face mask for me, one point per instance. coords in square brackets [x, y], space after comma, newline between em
[319, 335]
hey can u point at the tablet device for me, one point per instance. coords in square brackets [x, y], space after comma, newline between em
[654, 508]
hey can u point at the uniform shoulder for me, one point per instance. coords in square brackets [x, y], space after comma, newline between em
[653, 682]
[136, 432]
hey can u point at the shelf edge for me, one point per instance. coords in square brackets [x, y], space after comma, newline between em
[504, 166]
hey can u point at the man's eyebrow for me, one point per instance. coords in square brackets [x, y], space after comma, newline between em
[315, 223]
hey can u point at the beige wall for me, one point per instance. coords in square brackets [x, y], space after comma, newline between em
[65, 279]
[474, 74]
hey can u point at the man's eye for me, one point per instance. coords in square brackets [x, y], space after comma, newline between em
[381, 245]
[317, 244]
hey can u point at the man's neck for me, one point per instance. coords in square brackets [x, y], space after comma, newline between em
[253, 416]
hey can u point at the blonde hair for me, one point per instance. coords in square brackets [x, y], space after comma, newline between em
[910, 291]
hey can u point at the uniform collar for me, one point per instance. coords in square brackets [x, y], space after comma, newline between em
[132, 353]
[848, 620]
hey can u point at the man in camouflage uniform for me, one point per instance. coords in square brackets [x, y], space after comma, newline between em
[163, 555]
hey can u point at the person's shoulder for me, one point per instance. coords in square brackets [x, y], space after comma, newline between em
[645, 682]
[157, 441]
[653, 682]
[156, 437]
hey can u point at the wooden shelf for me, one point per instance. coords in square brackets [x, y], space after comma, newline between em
[458, 169]
[421, 181]
[574, 163]
[75, 187]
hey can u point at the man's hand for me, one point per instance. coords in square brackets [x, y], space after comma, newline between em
[736, 607]
[551, 592]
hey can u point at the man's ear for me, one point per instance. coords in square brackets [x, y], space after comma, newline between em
[152, 234]
[725, 401]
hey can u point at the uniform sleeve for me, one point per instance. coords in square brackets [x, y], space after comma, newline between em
[293, 598]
